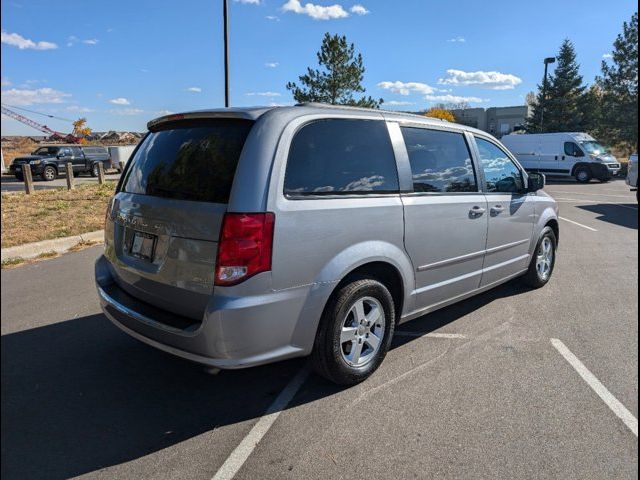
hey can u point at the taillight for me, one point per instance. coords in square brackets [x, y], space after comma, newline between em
[245, 247]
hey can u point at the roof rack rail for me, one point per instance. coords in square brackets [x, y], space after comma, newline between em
[364, 109]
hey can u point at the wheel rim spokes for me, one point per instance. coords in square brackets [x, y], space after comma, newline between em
[362, 331]
[544, 259]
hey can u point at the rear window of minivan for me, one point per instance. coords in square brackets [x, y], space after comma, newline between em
[189, 160]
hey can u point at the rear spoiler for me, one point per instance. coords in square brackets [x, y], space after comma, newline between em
[208, 114]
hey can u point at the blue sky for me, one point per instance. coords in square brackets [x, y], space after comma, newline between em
[121, 63]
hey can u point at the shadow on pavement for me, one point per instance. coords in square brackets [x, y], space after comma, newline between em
[617, 214]
[80, 395]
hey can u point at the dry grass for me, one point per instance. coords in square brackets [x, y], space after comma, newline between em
[48, 214]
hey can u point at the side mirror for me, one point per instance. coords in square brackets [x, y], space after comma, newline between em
[536, 182]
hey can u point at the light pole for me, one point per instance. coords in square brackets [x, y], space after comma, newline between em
[225, 14]
[547, 61]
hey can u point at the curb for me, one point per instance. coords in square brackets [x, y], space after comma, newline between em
[58, 245]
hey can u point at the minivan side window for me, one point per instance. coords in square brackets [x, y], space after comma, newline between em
[339, 157]
[440, 161]
[76, 151]
[501, 174]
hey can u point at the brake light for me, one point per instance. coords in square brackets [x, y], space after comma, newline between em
[245, 247]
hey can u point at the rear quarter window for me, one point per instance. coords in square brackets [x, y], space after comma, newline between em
[189, 160]
[340, 157]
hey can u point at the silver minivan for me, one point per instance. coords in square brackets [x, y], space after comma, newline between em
[239, 237]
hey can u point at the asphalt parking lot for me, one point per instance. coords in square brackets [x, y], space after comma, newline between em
[11, 184]
[513, 383]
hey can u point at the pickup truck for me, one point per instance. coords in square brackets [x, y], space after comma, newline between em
[49, 161]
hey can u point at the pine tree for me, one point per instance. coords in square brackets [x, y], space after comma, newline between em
[338, 79]
[564, 96]
[619, 85]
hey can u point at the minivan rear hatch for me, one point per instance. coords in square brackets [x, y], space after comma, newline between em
[164, 223]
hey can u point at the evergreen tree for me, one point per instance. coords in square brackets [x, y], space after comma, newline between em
[338, 79]
[619, 85]
[592, 110]
[564, 96]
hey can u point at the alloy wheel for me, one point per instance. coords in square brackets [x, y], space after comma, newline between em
[544, 259]
[362, 332]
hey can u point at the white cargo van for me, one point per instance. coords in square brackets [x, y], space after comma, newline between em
[576, 155]
[120, 155]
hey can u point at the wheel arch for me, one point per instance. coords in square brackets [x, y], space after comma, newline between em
[390, 265]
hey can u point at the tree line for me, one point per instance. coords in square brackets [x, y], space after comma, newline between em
[608, 108]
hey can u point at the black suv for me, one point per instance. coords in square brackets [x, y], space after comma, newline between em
[51, 160]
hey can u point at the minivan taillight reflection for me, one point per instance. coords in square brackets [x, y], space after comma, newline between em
[245, 247]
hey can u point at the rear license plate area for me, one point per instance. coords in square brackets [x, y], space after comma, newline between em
[143, 246]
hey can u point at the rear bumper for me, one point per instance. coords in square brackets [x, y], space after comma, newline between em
[235, 332]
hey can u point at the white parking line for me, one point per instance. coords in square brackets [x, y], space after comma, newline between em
[607, 397]
[580, 200]
[596, 194]
[579, 224]
[239, 456]
[452, 336]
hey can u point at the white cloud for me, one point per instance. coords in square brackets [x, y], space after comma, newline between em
[5, 82]
[359, 10]
[406, 88]
[249, 2]
[490, 80]
[78, 109]
[317, 12]
[262, 94]
[90, 41]
[126, 111]
[272, 64]
[17, 40]
[607, 56]
[120, 101]
[453, 99]
[273, 18]
[457, 40]
[194, 89]
[25, 97]
[395, 103]
[164, 112]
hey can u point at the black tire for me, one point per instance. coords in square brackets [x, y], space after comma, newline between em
[533, 278]
[94, 170]
[327, 357]
[583, 175]
[49, 173]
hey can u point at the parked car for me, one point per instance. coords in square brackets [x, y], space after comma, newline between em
[245, 236]
[120, 155]
[49, 161]
[632, 173]
[576, 155]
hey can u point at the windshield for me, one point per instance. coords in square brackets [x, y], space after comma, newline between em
[46, 151]
[594, 148]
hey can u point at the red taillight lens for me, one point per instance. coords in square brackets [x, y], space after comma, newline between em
[245, 247]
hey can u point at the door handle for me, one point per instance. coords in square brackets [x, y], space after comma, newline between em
[476, 211]
[497, 209]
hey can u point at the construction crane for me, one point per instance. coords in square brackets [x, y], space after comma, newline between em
[43, 128]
